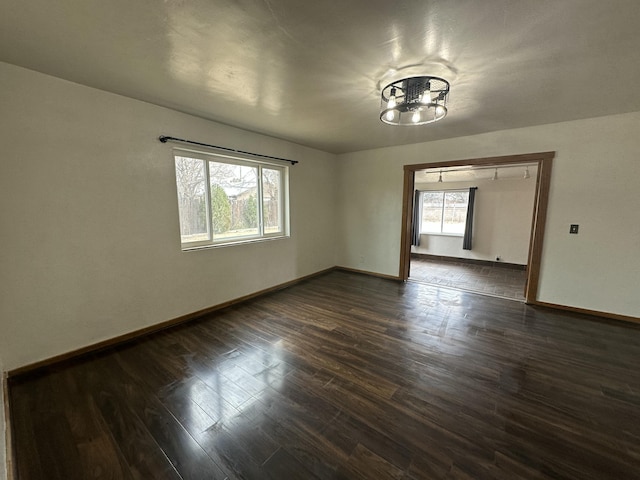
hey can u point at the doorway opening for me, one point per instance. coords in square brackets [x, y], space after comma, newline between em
[538, 166]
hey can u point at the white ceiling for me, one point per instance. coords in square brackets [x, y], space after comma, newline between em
[308, 71]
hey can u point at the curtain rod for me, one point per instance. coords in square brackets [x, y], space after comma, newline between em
[165, 139]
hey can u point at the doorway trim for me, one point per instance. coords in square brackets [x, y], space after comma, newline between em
[538, 221]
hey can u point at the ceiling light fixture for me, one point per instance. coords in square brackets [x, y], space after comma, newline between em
[440, 178]
[495, 175]
[414, 101]
[526, 173]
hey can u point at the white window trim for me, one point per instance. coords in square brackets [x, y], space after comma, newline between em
[234, 159]
[441, 233]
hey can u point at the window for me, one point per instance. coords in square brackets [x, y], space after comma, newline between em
[224, 200]
[444, 212]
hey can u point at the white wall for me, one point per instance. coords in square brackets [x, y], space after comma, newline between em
[502, 221]
[90, 240]
[594, 184]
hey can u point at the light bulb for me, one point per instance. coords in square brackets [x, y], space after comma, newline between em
[391, 104]
[416, 116]
[425, 98]
[392, 99]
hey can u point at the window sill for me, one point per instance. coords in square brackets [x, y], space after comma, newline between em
[192, 248]
[458, 235]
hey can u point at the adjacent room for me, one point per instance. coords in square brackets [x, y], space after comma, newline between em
[474, 228]
[268, 240]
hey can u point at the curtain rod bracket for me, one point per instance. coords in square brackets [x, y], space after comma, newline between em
[165, 139]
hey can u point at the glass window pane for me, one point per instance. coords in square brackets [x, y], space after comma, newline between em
[431, 211]
[224, 200]
[192, 203]
[455, 212]
[234, 203]
[272, 200]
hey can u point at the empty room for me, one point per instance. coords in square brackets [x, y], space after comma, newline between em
[211, 214]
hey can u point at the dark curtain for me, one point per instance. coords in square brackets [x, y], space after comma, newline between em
[417, 216]
[468, 229]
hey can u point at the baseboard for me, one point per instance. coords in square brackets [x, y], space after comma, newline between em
[471, 261]
[584, 311]
[127, 337]
[370, 274]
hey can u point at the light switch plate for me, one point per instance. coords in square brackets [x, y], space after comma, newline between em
[573, 229]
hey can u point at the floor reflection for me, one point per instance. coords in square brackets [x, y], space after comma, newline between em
[232, 386]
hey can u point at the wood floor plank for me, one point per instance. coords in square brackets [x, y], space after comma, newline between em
[23, 398]
[128, 431]
[344, 376]
[363, 463]
[284, 465]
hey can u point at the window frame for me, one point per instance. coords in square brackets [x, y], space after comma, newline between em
[237, 160]
[443, 192]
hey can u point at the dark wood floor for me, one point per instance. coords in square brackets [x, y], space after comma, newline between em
[345, 376]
